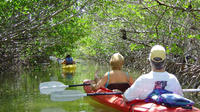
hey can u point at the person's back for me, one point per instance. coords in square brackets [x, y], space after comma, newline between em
[145, 84]
[68, 60]
[158, 78]
[116, 78]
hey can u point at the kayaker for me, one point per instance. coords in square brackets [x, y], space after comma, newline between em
[115, 79]
[158, 78]
[68, 60]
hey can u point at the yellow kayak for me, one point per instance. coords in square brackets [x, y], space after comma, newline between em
[69, 68]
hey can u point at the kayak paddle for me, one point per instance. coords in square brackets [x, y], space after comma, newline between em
[53, 86]
[71, 95]
[191, 90]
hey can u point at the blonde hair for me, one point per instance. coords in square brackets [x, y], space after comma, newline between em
[116, 61]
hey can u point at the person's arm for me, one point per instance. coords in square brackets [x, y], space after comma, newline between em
[178, 88]
[129, 94]
[101, 82]
[124, 98]
[135, 91]
[73, 62]
[96, 76]
[64, 62]
[131, 80]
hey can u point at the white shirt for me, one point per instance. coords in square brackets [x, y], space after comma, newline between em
[145, 84]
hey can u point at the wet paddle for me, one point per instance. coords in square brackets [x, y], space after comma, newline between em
[53, 86]
[71, 95]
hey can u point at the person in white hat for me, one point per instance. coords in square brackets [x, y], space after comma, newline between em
[158, 78]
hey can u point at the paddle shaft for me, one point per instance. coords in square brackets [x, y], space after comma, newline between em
[191, 90]
[85, 84]
[111, 93]
[118, 93]
[71, 95]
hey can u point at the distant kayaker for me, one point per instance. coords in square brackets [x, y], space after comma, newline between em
[158, 78]
[68, 60]
[115, 79]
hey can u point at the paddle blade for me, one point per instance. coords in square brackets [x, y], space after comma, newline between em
[67, 95]
[52, 86]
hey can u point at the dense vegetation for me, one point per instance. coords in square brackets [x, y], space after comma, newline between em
[32, 30]
[132, 27]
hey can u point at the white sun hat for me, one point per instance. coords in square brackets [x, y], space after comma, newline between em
[157, 53]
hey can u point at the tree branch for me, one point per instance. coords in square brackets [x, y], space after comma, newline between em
[178, 8]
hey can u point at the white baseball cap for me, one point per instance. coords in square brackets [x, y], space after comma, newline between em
[157, 53]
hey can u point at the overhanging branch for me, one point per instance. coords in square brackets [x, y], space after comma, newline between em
[178, 8]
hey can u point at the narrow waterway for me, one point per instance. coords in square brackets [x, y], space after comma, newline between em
[20, 92]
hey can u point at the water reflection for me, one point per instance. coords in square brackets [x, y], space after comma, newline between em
[100, 107]
[51, 109]
[20, 93]
[67, 75]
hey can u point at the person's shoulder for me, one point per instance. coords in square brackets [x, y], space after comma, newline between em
[146, 77]
[171, 75]
[124, 73]
[106, 74]
[143, 77]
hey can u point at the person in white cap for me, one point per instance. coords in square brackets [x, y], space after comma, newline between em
[158, 78]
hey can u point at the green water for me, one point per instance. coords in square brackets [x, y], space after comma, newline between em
[20, 92]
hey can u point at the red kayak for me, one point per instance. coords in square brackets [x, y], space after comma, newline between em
[116, 101]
